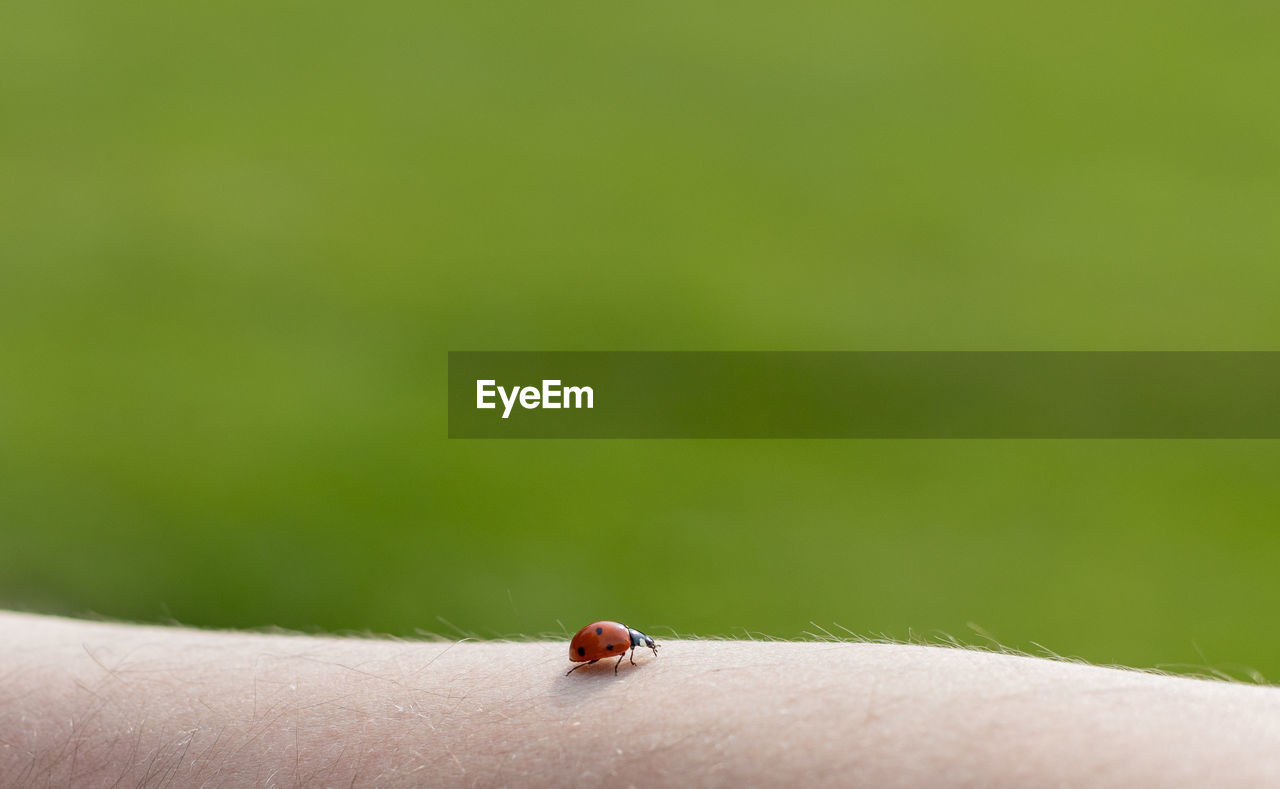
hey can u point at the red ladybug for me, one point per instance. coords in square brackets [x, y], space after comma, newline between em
[606, 639]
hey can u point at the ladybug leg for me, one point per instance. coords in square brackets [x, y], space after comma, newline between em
[580, 665]
[633, 656]
[619, 663]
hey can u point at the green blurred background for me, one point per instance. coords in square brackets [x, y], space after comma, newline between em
[237, 240]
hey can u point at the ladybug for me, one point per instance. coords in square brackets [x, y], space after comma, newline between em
[604, 640]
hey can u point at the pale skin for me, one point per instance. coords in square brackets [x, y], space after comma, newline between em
[98, 704]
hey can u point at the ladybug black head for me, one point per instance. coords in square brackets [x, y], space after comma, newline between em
[639, 639]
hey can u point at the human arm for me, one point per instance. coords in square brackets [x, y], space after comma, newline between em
[89, 703]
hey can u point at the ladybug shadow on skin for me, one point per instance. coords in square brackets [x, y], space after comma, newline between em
[599, 642]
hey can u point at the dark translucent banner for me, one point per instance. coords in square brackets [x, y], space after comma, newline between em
[857, 394]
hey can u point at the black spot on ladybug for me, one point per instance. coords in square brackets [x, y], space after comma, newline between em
[610, 647]
[599, 631]
[582, 651]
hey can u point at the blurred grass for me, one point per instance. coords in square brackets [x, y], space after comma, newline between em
[237, 239]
